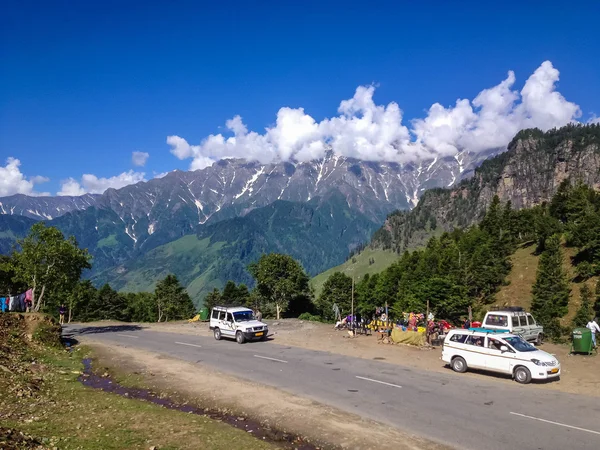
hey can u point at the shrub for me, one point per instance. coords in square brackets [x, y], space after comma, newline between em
[310, 317]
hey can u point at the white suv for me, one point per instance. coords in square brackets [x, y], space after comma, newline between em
[237, 323]
[515, 321]
[498, 352]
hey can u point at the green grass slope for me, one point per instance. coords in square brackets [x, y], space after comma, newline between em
[358, 266]
[517, 291]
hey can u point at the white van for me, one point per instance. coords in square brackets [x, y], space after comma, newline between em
[515, 321]
[236, 323]
[498, 352]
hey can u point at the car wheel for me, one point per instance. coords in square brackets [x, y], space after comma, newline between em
[459, 364]
[522, 375]
[239, 337]
[540, 339]
[217, 334]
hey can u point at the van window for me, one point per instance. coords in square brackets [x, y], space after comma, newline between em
[497, 320]
[215, 313]
[460, 338]
[221, 315]
[530, 319]
[475, 340]
[523, 320]
[229, 318]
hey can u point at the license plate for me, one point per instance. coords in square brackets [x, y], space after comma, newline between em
[259, 334]
[554, 371]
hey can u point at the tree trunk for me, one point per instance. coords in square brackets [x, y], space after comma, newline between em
[39, 300]
[277, 307]
[70, 313]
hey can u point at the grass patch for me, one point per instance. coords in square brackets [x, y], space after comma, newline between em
[43, 398]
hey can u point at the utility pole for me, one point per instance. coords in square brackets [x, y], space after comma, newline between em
[352, 313]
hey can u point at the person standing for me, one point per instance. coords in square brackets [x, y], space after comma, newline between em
[61, 313]
[258, 315]
[593, 327]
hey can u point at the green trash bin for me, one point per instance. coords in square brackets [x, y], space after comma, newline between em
[582, 341]
[204, 312]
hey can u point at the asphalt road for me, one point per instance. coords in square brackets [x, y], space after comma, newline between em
[462, 411]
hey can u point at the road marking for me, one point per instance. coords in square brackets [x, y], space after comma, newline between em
[556, 423]
[271, 359]
[129, 336]
[377, 381]
[191, 345]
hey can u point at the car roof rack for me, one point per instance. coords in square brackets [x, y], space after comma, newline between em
[507, 308]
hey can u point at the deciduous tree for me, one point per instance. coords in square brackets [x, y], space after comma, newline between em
[47, 262]
[279, 279]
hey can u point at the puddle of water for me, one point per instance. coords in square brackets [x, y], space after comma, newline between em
[282, 440]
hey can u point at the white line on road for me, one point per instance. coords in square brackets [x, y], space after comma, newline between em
[272, 359]
[377, 381]
[556, 423]
[129, 336]
[191, 345]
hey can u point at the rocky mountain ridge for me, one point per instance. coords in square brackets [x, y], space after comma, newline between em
[527, 174]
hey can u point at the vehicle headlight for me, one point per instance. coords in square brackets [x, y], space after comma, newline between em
[537, 362]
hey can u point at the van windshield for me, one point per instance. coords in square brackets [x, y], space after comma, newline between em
[519, 344]
[243, 316]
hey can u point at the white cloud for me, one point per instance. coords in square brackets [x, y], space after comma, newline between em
[139, 158]
[92, 184]
[12, 181]
[375, 132]
[593, 120]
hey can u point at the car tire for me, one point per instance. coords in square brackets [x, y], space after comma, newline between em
[540, 339]
[522, 375]
[217, 334]
[459, 364]
[239, 337]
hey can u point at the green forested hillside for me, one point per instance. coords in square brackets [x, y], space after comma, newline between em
[319, 234]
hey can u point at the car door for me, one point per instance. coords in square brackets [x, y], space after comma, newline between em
[534, 328]
[497, 360]
[227, 325]
[516, 327]
[475, 353]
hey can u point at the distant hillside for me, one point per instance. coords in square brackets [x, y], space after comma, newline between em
[319, 233]
[368, 261]
[528, 174]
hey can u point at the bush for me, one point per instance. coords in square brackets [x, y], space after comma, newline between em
[310, 317]
[47, 333]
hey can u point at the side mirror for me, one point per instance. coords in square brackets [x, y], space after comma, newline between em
[503, 348]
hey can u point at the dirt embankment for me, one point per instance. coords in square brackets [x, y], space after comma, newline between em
[271, 407]
[580, 373]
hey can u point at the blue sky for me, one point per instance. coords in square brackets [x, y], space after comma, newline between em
[85, 84]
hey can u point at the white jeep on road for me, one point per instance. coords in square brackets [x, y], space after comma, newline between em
[236, 323]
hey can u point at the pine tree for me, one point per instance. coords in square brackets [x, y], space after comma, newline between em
[585, 311]
[551, 290]
[172, 300]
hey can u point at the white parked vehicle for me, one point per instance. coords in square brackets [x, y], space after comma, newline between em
[515, 321]
[236, 323]
[498, 352]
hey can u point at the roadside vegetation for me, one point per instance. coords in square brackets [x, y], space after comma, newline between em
[46, 407]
